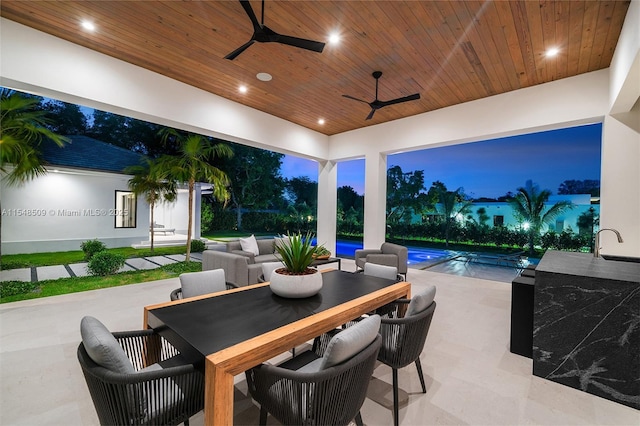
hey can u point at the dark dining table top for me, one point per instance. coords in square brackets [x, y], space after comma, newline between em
[201, 327]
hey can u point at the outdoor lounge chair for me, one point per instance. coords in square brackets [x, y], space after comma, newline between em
[389, 254]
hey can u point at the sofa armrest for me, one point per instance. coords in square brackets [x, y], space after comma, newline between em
[254, 272]
[360, 256]
[236, 267]
[247, 254]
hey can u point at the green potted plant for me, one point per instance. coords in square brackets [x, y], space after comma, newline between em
[296, 279]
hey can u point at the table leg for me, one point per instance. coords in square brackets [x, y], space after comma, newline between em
[218, 396]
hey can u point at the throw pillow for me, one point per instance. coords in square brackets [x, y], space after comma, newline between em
[350, 342]
[421, 301]
[250, 245]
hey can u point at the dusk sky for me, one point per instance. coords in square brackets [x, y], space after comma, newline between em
[488, 168]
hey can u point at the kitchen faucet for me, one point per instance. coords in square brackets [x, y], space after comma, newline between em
[596, 250]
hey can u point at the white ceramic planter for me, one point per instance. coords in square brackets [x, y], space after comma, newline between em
[296, 286]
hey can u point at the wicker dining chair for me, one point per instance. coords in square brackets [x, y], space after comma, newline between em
[201, 282]
[139, 379]
[324, 386]
[403, 337]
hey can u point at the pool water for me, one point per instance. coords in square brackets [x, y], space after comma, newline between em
[416, 254]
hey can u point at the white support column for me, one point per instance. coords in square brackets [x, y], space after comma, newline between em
[197, 206]
[620, 189]
[327, 204]
[375, 199]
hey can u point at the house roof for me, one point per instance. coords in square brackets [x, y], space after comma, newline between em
[83, 152]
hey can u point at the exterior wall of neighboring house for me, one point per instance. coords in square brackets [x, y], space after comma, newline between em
[60, 210]
[501, 213]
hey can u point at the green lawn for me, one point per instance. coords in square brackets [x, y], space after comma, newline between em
[73, 285]
[14, 261]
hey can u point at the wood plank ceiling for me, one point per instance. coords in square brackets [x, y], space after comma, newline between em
[448, 51]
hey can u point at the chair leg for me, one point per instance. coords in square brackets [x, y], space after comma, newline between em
[186, 422]
[263, 416]
[358, 419]
[395, 397]
[420, 375]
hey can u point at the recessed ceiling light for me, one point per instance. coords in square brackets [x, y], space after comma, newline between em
[88, 25]
[334, 38]
[321, 121]
[242, 89]
[264, 76]
[552, 52]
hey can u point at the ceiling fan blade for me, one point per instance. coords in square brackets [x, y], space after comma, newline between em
[249, 10]
[355, 99]
[302, 43]
[413, 97]
[231, 56]
[370, 116]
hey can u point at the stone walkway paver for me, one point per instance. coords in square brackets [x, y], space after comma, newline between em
[80, 269]
[161, 260]
[142, 263]
[22, 274]
[177, 257]
[52, 272]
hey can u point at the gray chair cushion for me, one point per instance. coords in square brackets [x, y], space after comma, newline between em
[382, 271]
[421, 301]
[350, 341]
[266, 246]
[204, 282]
[103, 348]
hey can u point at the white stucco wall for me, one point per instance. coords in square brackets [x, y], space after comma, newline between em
[620, 188]
[58, 211]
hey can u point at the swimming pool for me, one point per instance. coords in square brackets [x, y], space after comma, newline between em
[416, 254]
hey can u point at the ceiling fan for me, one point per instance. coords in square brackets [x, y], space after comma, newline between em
[263, 34]
[377, 104]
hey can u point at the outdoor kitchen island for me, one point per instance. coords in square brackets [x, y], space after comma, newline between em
[586, 325]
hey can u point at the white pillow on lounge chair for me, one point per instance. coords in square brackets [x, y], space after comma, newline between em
[250, 245]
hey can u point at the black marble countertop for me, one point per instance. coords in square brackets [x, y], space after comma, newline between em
[587, 325]
[585, 265]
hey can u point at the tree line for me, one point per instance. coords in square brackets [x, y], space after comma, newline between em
[249, 191]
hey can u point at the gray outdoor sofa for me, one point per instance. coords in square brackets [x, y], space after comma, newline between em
[241, 267]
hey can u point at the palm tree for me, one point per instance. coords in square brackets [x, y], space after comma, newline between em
[22, 128]
[529, 205]
[193, 164]
[452, 204]
[150, 180]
